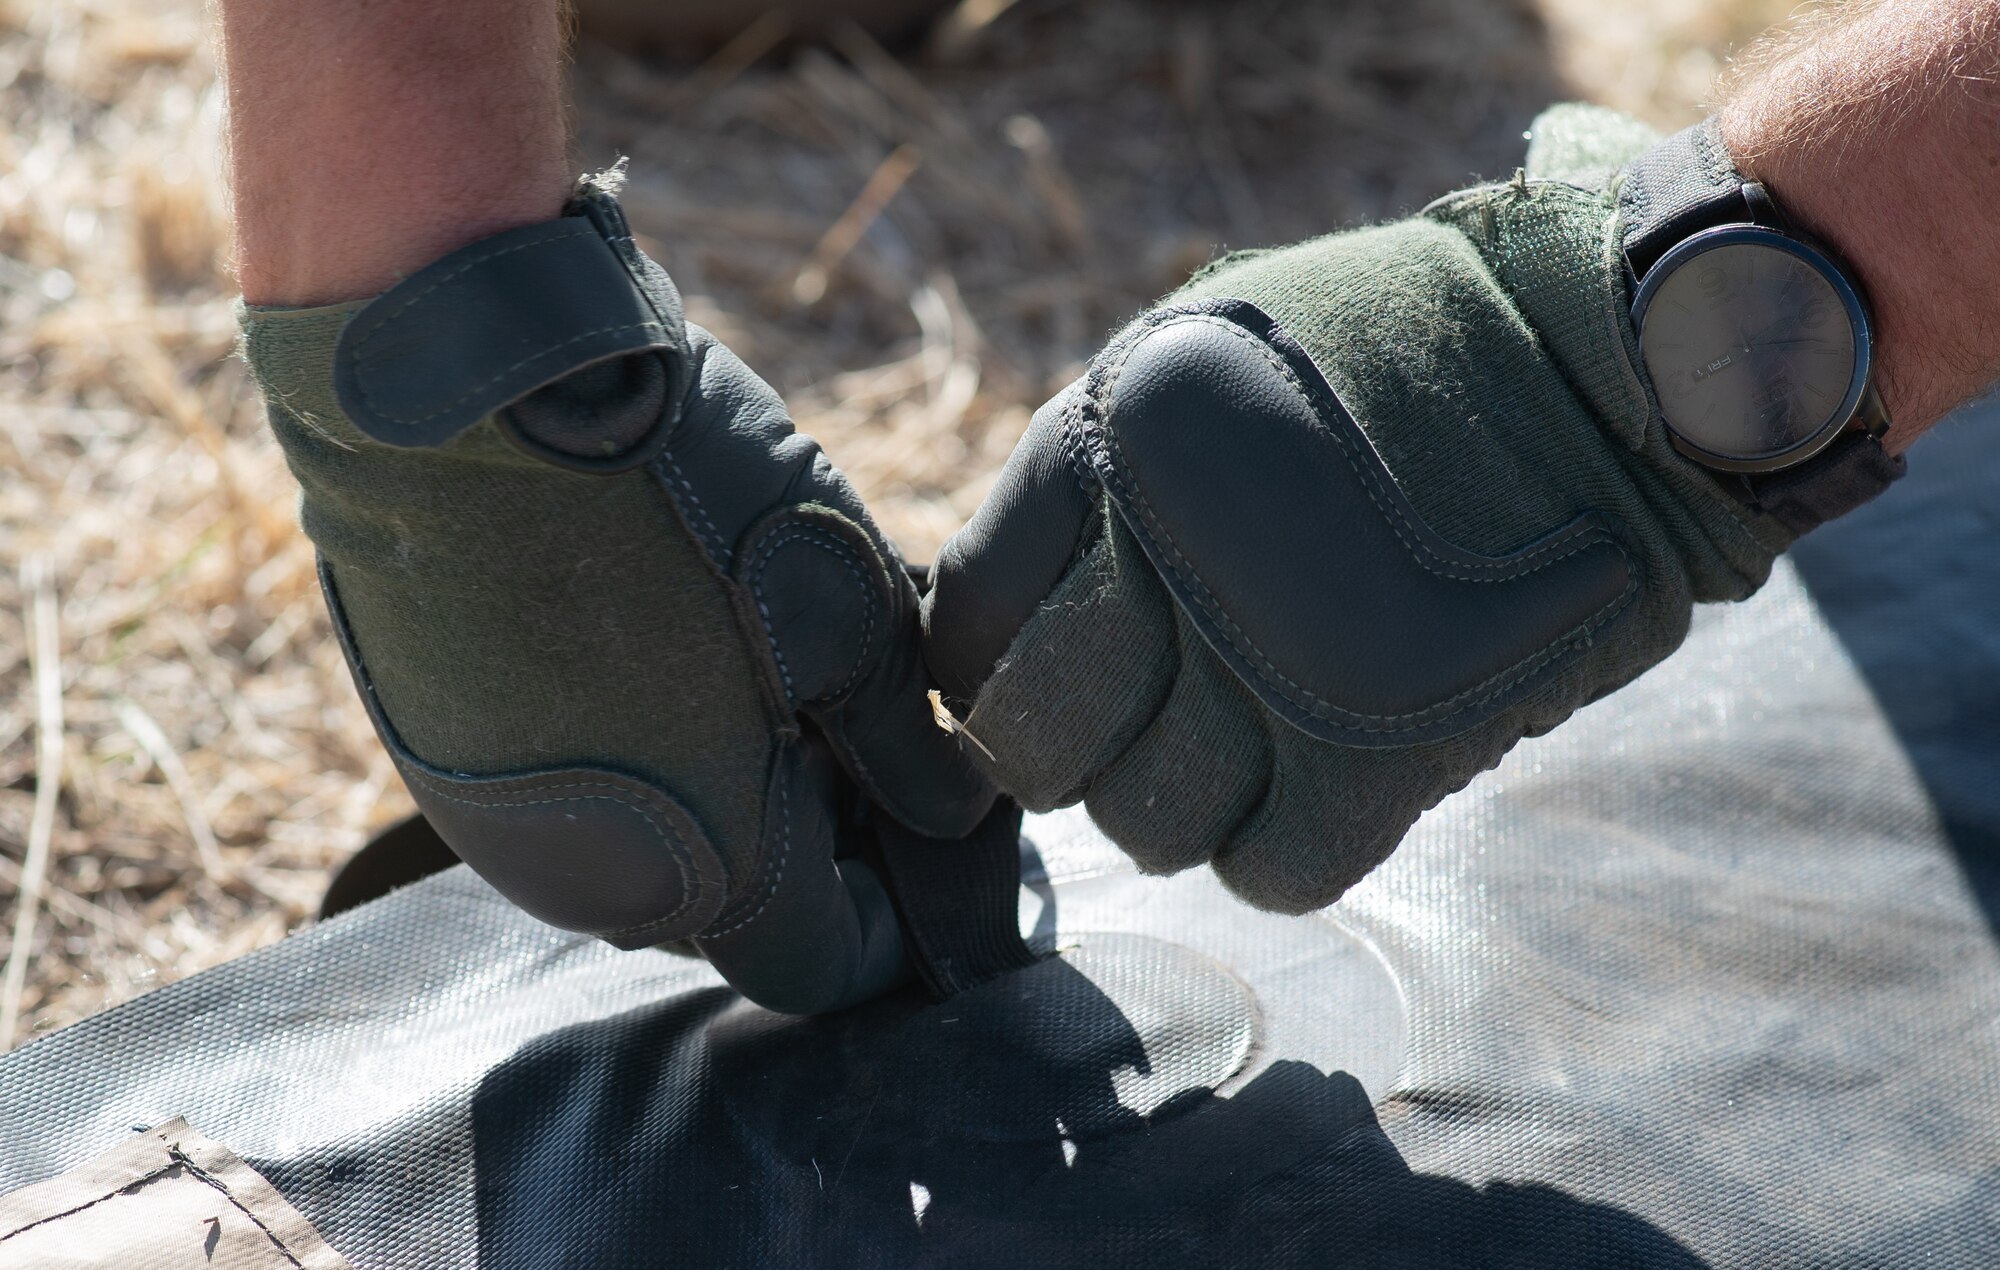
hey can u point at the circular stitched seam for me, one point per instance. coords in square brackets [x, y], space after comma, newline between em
[676, 848]
[813, 535]
[1313, 705]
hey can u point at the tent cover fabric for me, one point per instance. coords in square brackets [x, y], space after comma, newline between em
[1708, 977]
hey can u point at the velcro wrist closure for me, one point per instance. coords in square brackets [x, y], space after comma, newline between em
[492, 322]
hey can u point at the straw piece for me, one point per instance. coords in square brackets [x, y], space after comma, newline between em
[45, 653]
[948, 722]
[809, 286]
[147, 733]
[960, 31]
[154, 376]
[748, 47]
[106, 922]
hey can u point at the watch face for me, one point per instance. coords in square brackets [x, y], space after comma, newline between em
[1756, 344]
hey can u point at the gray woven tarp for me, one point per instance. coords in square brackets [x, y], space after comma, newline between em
[1707, 977]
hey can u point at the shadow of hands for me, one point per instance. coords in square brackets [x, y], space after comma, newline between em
[1053, 1117]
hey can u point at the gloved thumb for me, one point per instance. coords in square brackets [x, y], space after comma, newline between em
[841, 613]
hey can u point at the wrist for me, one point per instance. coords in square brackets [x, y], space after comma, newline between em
[1899, 271]
[1876, 139]
[298, 247]
[368, 139]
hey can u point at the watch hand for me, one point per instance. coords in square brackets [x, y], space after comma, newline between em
[1778, 325]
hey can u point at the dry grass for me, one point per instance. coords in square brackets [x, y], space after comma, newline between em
[916, 251]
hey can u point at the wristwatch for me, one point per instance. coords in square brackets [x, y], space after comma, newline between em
[1757, 339]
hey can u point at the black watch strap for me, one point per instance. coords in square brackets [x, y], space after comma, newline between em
[1686, 184]
[1840, 478]
[1673, 191]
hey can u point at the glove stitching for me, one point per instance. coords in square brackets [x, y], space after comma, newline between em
[354, 354]
[1076, 449]
[1303, 698]
[619, 795]
[718, 550]
[1499, 570]
[1642, 444]
[1432, 562]
[1298, 695]
[861, 773]
[777, 872]
[462, 269]
[842, 551]
[814, 536]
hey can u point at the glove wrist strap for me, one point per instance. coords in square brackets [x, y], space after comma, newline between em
[492, 322]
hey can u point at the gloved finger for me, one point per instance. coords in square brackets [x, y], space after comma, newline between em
[1086, 675]
[888, 739]
[831, 594]
[1199, 768]
[1331, 814]
[993, 574]
[814, 935]
[840, 614]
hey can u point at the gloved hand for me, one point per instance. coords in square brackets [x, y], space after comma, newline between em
[1318, 540]
[633, 643]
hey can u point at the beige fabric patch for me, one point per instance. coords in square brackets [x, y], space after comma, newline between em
[166, 1200]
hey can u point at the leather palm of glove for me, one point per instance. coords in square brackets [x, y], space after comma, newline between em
[636, 647]
[1318, 540]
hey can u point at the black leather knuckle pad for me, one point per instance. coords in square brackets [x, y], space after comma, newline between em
[586, 849]
[490, 323]
[1286, 540]
[825, 598]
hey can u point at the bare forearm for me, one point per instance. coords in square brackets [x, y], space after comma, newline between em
[1881, 136]
[368, 137]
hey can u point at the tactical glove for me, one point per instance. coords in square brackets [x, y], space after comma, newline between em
[633, 643]
[1318, 540]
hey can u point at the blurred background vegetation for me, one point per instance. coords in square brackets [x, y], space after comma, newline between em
[916, 226]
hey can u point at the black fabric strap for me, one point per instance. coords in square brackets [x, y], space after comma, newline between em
[1680, 187]
[491, 323]
[959, 900]
[1850, 472]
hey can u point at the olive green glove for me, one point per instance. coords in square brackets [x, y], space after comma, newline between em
[1317, 542]
[634, 644]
